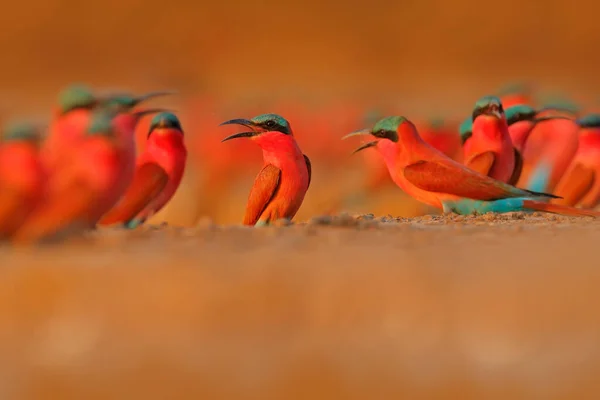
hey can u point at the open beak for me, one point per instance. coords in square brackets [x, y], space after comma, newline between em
[365, 131]
[366, 146]
[244, 122]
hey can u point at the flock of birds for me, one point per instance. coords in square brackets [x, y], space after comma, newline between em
[84, 169]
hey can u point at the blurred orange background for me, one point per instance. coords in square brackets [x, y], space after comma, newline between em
[236, 59]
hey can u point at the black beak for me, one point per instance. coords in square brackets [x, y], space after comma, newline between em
[366, 146]
[152, 95]
[240, 121]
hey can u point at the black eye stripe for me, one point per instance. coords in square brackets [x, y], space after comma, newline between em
[274, 126]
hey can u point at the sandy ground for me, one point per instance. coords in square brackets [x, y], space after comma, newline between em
[490, 307]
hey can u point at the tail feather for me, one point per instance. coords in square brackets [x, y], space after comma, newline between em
[558, 209]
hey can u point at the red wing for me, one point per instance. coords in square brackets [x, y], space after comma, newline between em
[518, 168]
[148, 182]
[309, 168]
[574, 185]
[444, 177]
[70, 210]
[482, 162]
[264, 188]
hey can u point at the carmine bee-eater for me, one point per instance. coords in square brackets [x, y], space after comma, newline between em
[521, 120]
[433, 178]
[281, 184]
[580, 184]
[550, 147]
[157, 176]
[489, 150]
[22, 176]
[83, 189]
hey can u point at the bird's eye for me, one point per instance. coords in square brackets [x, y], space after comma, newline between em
[270, 123]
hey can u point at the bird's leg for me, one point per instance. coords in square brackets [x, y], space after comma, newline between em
[261, 223]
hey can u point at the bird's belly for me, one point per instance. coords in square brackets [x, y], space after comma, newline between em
[429, 198]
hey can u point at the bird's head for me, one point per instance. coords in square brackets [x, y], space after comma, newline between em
[465, 130]
[165, 122]
[490, 106]
[386, 133]
[261, 127]
[76, 96]
[101, 123]
[22, 132]
[591, 121]
[518, 113]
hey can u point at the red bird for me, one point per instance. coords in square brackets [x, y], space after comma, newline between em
[22, 177]
[580, 184]
[83, 189]
[551, 146]
[157, 177]
[281, 185]
[489, 150]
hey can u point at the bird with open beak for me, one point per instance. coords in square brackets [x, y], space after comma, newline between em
[280, 187]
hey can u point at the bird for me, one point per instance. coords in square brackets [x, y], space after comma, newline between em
[22, 175]
[433, 178]
[489, 150]
[282, 183]
[521, 120]
[580, 184]
[83, 189]
[551, 145]
[158, 173]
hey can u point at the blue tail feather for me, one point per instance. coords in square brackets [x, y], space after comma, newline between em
[470, 206]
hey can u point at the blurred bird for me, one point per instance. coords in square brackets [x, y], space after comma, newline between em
[157, 176]
[551, 145]
[435, 179]
[22, 176]
[83, 189]
[489, 150]
[580, 184]
[520, 120]
[281, 185]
